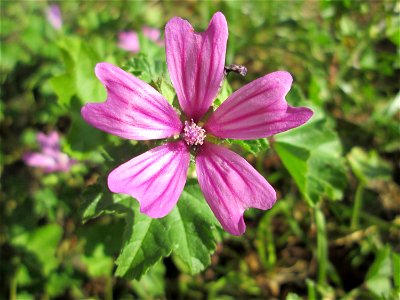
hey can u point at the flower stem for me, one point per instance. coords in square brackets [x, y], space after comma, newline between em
[13, 288]
[109, 288]
[357, 206]
[322, 245]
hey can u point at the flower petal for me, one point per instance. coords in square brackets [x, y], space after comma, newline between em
[50, 141]
[231, 185]
[151, 33]
[54, 16]
[257, 110]
[156, 178]
[133, 110]
[129, 41]
[35, 159]
[196, 62]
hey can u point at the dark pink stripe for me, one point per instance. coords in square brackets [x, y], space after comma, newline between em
[236, 119]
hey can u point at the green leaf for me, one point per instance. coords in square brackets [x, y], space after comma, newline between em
[293, 296]
[88, 87]
[393, 28]
[46, 203]
[190, 229]
[98, 200]
[82, 138]
[58, 283]
[295, 158]
[347, 26]
[146, 242]
[42, 242]
[80, 60]
[312, 155]
[251, 146]
[152, 284]
[100, 241]
[396, 270]
[378, 278]
[64, 87]
[368, 166]
[146, 69]
[166, 89]
[318, 90]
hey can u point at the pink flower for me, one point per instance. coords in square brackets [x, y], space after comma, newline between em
[153, 34]
[135, 110]
[53, 14]
[129, 41]
[51, 159]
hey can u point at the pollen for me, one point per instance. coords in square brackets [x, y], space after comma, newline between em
[193, 134]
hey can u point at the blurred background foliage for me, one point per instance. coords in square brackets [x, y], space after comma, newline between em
[333, 234]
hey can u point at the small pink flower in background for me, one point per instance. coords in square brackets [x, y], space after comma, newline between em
[129, 41]
[153, 34]
[135, 110]
[50, 159]
[54, 16]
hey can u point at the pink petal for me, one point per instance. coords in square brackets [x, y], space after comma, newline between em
[231, 185]
[64, 162]
[35, 159]
[151, 33]
[196, 62]
[129, 41]
[50, 141]
[156, 178]
[257, 110]
[133, 110]
[49, 162]
[54, 16]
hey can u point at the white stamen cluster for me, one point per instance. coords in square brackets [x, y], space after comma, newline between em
[193, 134]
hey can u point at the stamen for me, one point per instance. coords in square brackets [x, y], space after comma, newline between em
[193, 134]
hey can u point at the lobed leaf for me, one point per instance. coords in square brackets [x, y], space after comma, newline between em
[368, 166]
[145, 243]
[188, 231]
[191, 226]
[312, 155]
[251, 146]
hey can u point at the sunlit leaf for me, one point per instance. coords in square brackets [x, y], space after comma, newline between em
[378, 278]
[190, 228]
[152, 284]
[145, 243]
[312, 155]
[42, 243]
[251, 146]
[368, 166]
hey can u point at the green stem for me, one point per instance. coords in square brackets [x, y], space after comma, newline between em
[311, 290]
[357, 206]
[13, 288]
[109, 288]
[368, 218]
[322, 246]
[271, 248]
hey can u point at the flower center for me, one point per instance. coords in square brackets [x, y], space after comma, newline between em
[193, 134]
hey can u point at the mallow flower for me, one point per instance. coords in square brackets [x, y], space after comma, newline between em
[53, 14]
[153, 34]
[129, 41]
[50, 159]
[135, 110]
